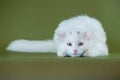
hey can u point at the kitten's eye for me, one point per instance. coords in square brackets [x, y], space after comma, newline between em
[69, 44]
[80, 44]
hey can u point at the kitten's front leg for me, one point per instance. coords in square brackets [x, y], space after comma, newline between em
[97, 50]
[91, 53]
[94, 53]
[86, 54]
[61, 54]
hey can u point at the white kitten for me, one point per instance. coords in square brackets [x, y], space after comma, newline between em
[77, 36]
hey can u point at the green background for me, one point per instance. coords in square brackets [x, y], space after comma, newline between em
[37, 20]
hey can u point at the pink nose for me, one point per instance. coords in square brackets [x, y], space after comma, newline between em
[75, 51]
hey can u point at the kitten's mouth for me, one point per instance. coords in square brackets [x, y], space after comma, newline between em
[73, 56]
[75, 53]
[79, 55]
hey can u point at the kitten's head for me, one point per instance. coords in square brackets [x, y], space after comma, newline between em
[75, 43]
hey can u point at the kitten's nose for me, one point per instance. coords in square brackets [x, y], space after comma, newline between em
[75, 51]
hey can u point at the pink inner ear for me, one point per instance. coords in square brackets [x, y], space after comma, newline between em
[88, 35]
[85, 34]
[62, 36]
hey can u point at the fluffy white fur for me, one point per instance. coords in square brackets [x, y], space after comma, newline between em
[32, 46]
[77, 36]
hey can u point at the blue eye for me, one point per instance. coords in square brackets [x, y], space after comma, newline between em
[80, 44]
[69, 44]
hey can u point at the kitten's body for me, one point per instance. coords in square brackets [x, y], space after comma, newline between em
[77, 36]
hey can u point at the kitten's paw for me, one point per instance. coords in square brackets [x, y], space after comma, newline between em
[60, 54]
[86, 54]
[92, 53]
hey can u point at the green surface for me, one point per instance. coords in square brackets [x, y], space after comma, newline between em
[20, 66]
[37, 20]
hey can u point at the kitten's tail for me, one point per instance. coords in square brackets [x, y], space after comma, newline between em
[32, 46]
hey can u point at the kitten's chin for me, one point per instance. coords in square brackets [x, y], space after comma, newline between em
[73, 55]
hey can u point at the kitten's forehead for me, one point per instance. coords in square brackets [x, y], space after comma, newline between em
[74, 36]
[74, 33]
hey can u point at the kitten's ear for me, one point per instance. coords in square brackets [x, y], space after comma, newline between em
[62, 36]
[88, 35]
